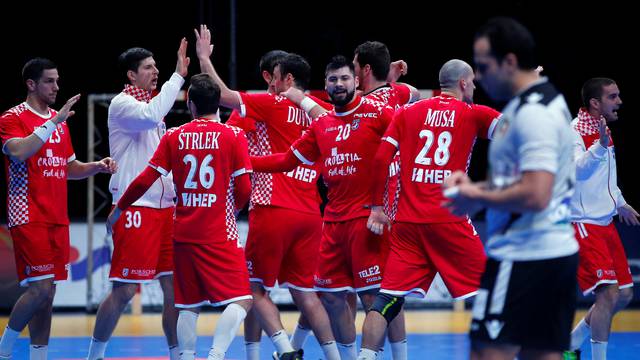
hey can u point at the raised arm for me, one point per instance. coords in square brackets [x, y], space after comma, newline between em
[24, 148]
[228, 98]
[587, 159]
[307, 104]
[135, 116]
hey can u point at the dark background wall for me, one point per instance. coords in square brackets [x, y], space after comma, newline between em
[85, 39]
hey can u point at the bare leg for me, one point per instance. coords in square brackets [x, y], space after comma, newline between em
[169, 311]
[111, 308]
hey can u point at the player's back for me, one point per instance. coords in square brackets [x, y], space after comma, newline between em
[204, 157]
[435, 137]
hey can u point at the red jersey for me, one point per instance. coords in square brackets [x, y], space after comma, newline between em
[36, 187]
[274, 124]
[345, 144]
[204, 156]
[435, 137]
[392, 94]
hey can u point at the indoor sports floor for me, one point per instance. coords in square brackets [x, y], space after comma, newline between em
[433, 334]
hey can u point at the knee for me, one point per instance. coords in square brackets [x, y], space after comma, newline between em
[42, 291]
[624, 298]
[333, 301]
[608, 296]
[387, 305]
[123, 293]
[305, 300]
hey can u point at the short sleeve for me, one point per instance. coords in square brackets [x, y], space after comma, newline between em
[306, 147]
[241, 161]
[384, 119]
[403, 93]
[256, 106]
[11, 128]
[538, 136]
[161, 159]
[394, 130]
[485, 119]
[245, 123]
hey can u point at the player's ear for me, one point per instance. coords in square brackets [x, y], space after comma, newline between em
[266, 76]
[31, 84]
[131, 75]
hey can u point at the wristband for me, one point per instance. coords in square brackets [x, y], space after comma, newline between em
[45, 130]
[307, 104]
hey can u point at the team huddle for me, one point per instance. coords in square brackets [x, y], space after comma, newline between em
[398, 210]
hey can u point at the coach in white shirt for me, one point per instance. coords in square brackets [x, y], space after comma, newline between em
[603, 267]
[143, 248]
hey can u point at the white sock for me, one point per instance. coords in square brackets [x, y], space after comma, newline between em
[347, 351]
[226, 330]
[598, 350]
[174, 352]
[186, 329]
[38, 352]
[299, 337]
[579, 333]
[281, 342]
[8, 339]
[367, 354]
[252, 350]
[330, 350]
[399, 350]
[96, 349]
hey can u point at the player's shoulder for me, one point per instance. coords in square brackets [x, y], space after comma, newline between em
[379, 106]
[15, 111]
[235, 130]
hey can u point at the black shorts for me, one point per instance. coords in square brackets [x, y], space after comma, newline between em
[530, 304]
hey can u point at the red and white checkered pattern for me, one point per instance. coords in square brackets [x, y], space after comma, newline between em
[261, 183]
[586, 124]
[377, 104]
[18, 203]
[137, 93]
[392, 209]
[230, 207]
[382, 94]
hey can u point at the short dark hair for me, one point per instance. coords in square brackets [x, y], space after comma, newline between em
[593, 89]
[506, 35]
[131, 59]
[269, 60]
[204, 93]
[338, 62]
[34, 68]
[298, 67]
[376, 54]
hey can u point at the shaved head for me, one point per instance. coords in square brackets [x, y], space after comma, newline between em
[451, 72]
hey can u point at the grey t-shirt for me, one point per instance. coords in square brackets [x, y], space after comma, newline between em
[533, 135]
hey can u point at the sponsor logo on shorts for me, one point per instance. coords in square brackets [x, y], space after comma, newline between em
[125, 272]
[38, 268]
[320, 281]
[599, 273]
[143, 272]
[371, 274]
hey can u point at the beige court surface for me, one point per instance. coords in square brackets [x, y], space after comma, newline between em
[418, 322]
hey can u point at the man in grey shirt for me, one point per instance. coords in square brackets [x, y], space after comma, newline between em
[526, 301]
